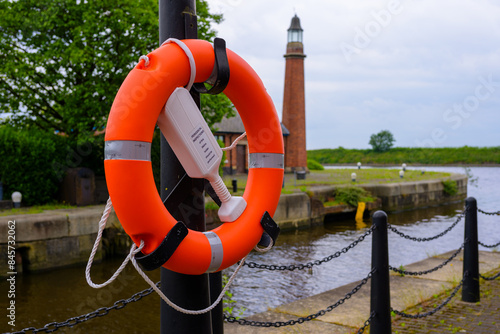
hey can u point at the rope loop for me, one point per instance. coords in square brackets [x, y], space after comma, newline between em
[131, 257]
[189, 54]
[146, 60]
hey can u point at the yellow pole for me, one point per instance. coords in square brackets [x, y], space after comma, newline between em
[359, 215]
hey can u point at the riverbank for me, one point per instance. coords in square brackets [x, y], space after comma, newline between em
[415, 155]
[413, 165]
[407, 292]
[64, 237]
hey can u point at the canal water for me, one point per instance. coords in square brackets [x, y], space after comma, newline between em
[57, 295]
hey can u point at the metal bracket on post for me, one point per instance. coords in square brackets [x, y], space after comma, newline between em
[178, 194]
[220, 74]
[165, 250]
[211, 192]
[271, 230]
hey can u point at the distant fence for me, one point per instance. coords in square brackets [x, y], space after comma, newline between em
[379, 318]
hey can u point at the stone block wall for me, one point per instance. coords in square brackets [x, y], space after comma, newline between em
[57, 239]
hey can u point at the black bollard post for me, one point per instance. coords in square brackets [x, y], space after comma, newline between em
[217, 313]
[380, 294]
[234, 182]
[470, 289]
[177, 19]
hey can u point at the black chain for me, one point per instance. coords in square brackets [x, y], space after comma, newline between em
[401, 234]
[490, 278]
[366, 324]
[100, 312]
[489, 246]
[489, 213]
[311, 264]
[425, 272]
[426, 314]
[245, 322]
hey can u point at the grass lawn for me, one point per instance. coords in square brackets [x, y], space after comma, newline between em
[35, 209]
[342, 177]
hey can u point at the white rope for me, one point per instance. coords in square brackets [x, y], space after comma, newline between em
[146, 60]
[188, 53]
[263, 250]
[131, 257]
[234, 142]
[102, 225]
[177, 307]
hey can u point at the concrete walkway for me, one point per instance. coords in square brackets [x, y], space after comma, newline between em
[411, 294]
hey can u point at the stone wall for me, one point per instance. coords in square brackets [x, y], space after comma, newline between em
[57, 239]
[65, 237]
[418, 194]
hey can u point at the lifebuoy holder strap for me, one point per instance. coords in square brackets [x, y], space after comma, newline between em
[220, 74]
[271, 230]
[162, 253]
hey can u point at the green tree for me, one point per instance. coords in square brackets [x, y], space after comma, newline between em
[62, 61]
[382, 141]
[61, 65]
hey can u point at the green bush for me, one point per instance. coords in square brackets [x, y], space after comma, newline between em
[450, 187]
[34, 162]
[314, 165]
[27, 164]
[351, 195]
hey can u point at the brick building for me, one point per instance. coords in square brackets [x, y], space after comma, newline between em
[294, 114]
[227, 131]
[294, 110]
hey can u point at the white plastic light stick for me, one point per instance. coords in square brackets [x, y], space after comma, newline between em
[194, 145]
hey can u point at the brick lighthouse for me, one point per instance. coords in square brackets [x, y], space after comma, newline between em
[294, 110]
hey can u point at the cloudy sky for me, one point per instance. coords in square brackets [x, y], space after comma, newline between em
[428, 71]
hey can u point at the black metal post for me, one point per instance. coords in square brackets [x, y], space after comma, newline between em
[177, 19]
[234, 182]
[470, 288]
[217, 312]
[380, 299]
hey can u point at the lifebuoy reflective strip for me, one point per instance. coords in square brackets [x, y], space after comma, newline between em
[128, 168]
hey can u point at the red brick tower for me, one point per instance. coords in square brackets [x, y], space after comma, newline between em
[294, 110]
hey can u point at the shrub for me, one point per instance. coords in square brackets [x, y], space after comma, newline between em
[450, 187]
[314, 165]
[27, 164]
[34, 162]
[351, 195]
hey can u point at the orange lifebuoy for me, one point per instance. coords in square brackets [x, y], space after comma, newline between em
[129, 175]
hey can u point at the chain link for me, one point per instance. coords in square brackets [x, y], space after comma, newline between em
[401, 234]
[366, 324]
[314, 263]
[489, 246]
[119, 304]
[100, 312]
[490, 278]
[426, 314]
[245, 322]
[425, 272]
[489, 213]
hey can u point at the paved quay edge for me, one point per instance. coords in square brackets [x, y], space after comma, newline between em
[406, 292]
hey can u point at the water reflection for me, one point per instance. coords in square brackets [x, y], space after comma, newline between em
[425, 214]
